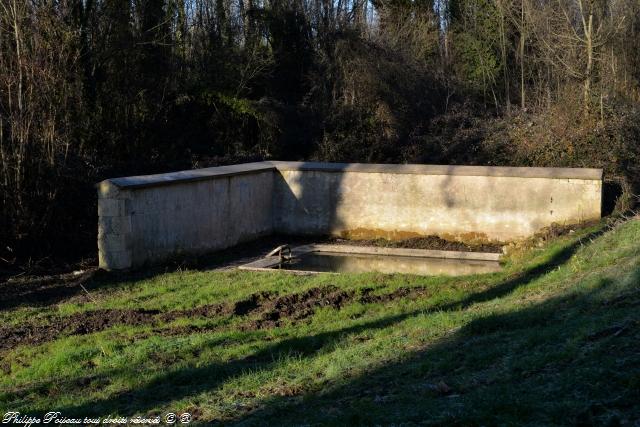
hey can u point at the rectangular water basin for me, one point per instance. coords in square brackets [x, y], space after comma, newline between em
[358, 259]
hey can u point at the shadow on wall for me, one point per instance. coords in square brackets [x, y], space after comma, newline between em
[487, 366]
[311, 202]
[400, 206]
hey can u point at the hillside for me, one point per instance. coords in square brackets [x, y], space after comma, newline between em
[551, 340]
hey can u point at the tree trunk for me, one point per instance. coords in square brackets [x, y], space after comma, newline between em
[589, 67]
[522, 40]
[587, 27]
[503, 51]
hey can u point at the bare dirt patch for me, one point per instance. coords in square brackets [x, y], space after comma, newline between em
[299, 306]
[296, 307]
[98, 320]
[270, 311]
[76, 324]
[45, 289]
[238, 308]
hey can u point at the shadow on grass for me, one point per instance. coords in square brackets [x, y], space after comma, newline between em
[192, 381]
[53, 289]
[42, 292]
[525, 277]
[47, 291]
[572, 360]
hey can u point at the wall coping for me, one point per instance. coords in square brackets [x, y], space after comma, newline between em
[417, 169]
[143, 181]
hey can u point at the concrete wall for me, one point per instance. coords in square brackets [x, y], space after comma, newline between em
[146, 223]
[150, 218]
[456, 204]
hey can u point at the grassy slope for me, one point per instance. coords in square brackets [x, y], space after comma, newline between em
[551, 340]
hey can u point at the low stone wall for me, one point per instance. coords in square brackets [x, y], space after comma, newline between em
[149, 218]
[453, 202]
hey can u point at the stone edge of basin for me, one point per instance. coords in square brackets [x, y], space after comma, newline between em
[143, 181]
[267, 263]
[405, 252]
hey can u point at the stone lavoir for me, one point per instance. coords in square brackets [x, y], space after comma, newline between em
[146, 219]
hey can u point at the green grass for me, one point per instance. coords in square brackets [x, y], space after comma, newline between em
[551, 340]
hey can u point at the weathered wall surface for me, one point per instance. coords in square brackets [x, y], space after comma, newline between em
[150, 218]
[152, 223]
[368, 204]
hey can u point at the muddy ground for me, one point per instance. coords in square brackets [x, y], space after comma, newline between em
[43, 290]
[261, 310]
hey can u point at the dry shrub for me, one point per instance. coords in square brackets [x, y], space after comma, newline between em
[562, 136]
[381, 88]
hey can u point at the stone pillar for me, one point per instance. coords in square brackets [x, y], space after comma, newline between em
[114, 227]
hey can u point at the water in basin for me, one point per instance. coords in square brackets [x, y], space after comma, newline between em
[358, 263]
